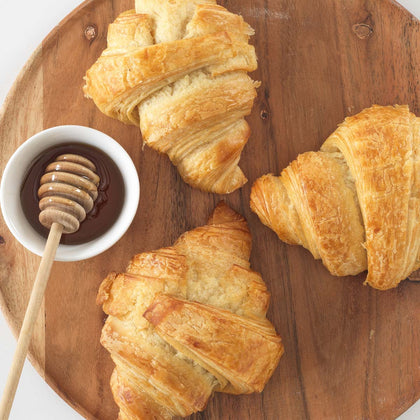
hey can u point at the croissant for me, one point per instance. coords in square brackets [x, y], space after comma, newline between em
[355, 204]
[188, 320]
[178, 70]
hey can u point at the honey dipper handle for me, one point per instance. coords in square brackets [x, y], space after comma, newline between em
[31, 315]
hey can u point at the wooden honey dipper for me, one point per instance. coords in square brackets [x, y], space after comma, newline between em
[67, 193]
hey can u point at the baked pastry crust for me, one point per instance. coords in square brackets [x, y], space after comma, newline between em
[178, 70]
[355, 203]
[183, 321]
[242, 350]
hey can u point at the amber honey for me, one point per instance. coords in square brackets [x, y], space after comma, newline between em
[107, 206]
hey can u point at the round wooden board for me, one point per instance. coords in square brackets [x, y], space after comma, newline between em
[351, 352]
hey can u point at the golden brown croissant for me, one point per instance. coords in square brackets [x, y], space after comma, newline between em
[178, 69]
[189, 320]
[356, 203]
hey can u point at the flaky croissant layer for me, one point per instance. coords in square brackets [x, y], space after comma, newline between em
[178, 70]
[355, 204]
[188, 320]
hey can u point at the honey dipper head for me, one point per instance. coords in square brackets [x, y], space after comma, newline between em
[67, 192]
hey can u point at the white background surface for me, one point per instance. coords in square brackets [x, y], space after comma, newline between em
[34, 399]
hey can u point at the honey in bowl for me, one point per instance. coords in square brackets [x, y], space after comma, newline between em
[107, 205]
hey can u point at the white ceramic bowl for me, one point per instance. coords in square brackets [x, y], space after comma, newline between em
[17, 168]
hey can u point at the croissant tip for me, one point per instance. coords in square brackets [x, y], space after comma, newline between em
[105, 288]
[223, 213]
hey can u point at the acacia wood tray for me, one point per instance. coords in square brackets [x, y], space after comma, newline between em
[351, 352]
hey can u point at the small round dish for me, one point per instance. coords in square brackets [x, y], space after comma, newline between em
[16, 170]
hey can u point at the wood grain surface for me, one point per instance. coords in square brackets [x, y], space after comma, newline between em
[352, 352]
